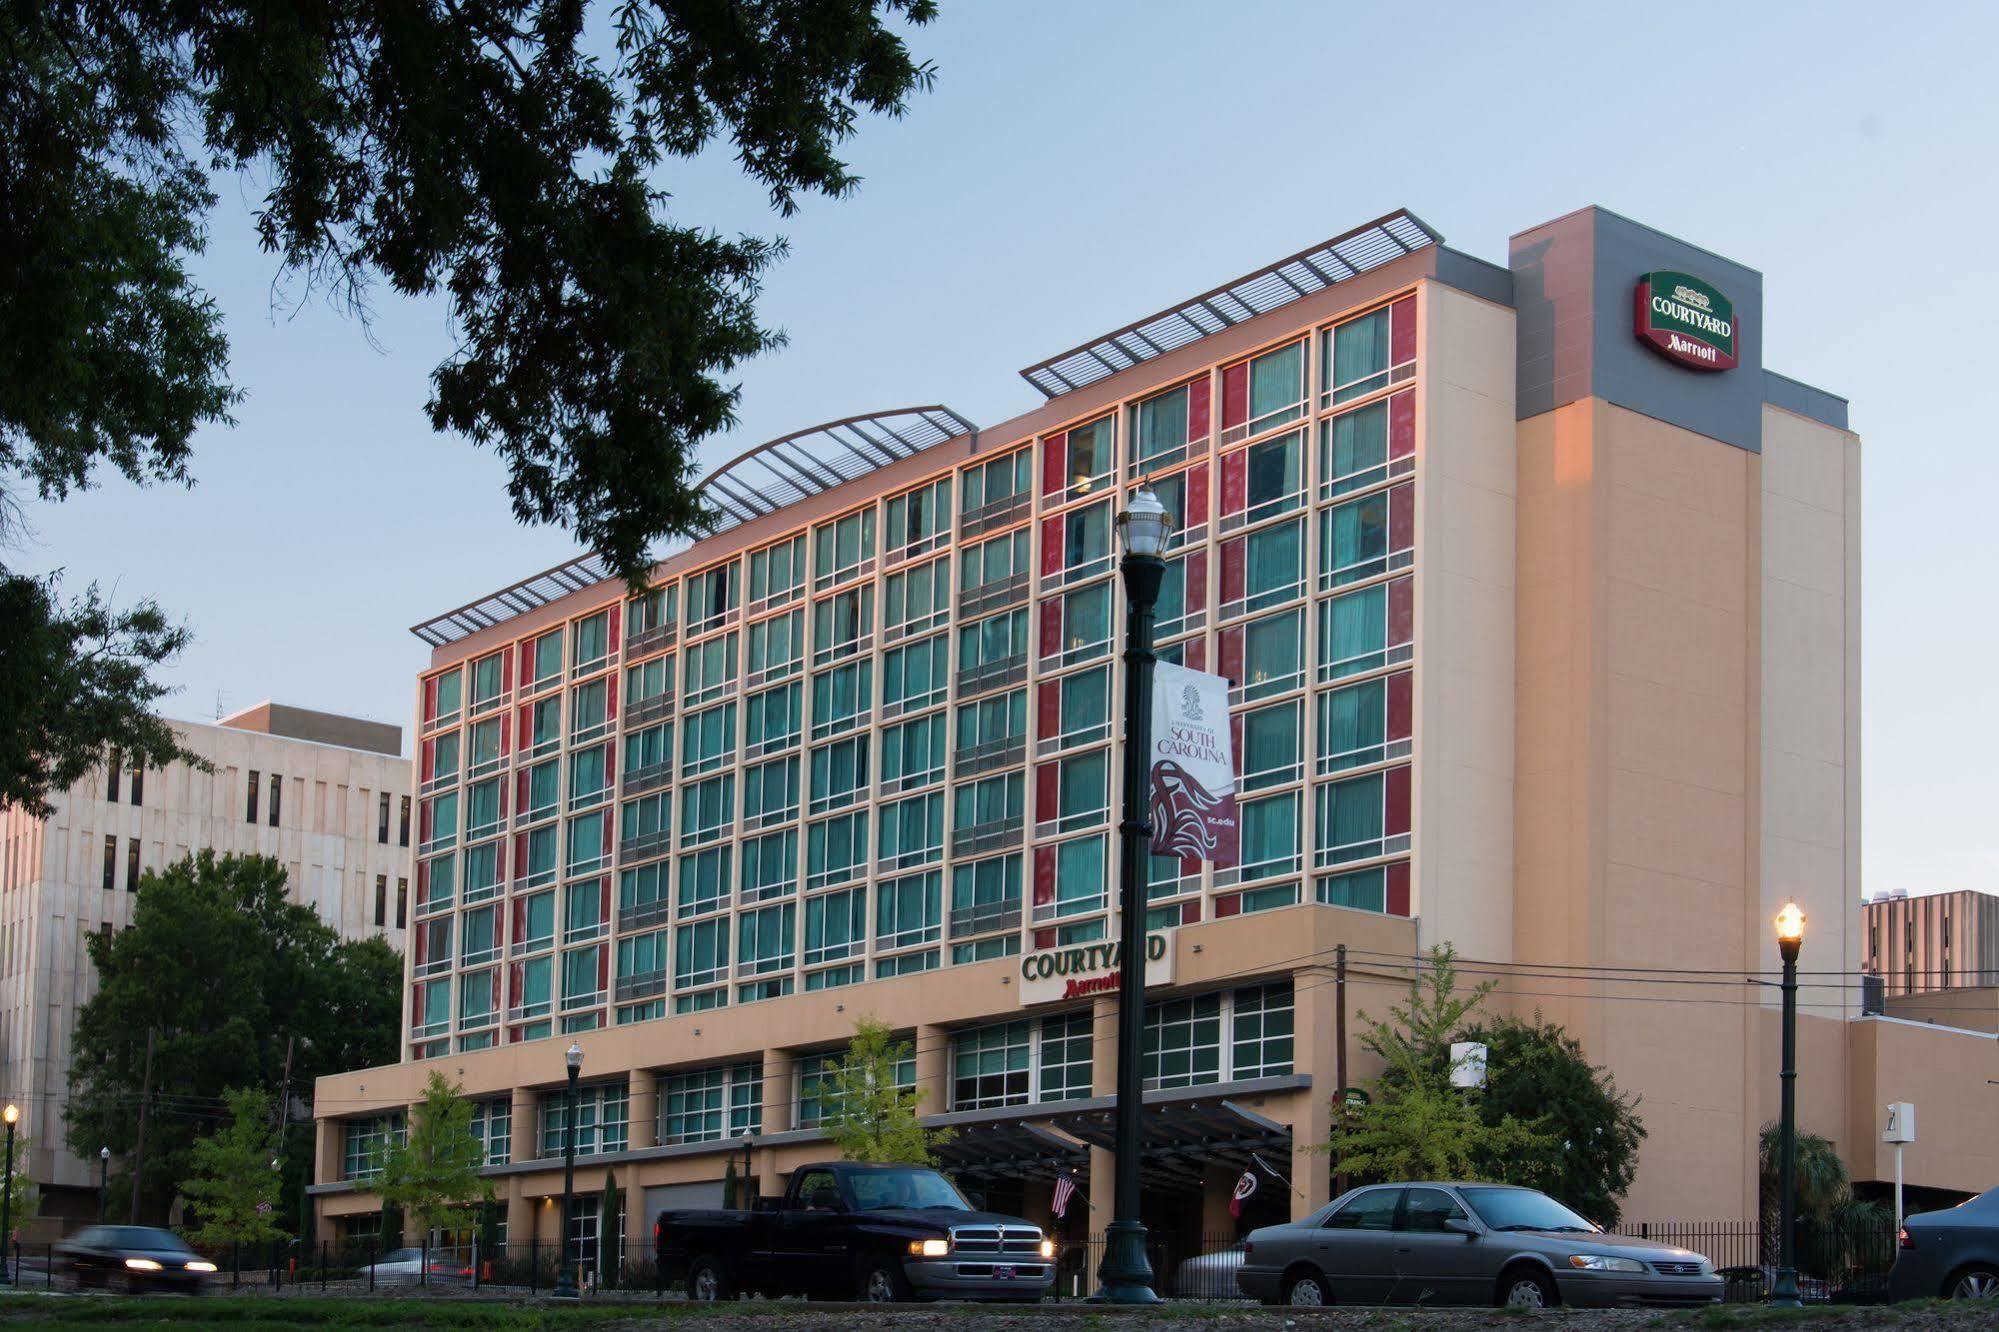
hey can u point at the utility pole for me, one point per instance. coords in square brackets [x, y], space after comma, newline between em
[1340, 1054]
[145, 1101]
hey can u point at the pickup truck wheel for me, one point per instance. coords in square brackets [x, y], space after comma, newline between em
[708, 1280]
[882, 1282]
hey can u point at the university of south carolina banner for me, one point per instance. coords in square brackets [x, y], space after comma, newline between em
[1193, 768]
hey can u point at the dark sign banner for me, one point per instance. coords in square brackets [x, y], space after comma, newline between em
[1193, 801]
[1686, 320]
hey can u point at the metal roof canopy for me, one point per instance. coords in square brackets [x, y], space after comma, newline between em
[812, 461]
[1381, 241]
[530, 593]
[1183, 1136]
[1009, 1148]
[773, 474]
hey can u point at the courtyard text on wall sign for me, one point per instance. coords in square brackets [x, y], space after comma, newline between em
[1685, 320]
[1086, 969]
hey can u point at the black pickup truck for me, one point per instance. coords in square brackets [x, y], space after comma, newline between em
[847, 1231]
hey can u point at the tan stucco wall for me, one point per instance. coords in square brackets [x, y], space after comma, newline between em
[1463, 796]
[1637, 635]
[1945, 1073]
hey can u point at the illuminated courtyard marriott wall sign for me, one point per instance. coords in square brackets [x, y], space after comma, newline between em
[1686, 320]
[1085, 969]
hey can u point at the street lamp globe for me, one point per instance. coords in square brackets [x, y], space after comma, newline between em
[573, 1056]
[1791, 924]
[104, 1153]
[12, 1114]
[1145, 526]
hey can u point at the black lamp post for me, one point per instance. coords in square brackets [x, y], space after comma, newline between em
[1784, 1287]
[13, 1116]
[1125, 1276]
[565, 1276]
[103, 1180]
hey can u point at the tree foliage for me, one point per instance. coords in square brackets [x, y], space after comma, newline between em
[23, 1194]
[230, 1183]
[1837, 1232]
[871, 1116]
[508, 156]
[1417, 1125]
[74, 684]
[1589, 1131]
[223, 967]
[610, 1239]
[432, 1172]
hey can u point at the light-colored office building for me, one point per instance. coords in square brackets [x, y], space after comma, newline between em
[1539, 597]
[1933, 941]
[326, 796]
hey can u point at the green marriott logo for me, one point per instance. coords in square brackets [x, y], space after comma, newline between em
[1686, 320]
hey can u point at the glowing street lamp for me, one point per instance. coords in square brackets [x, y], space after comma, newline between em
[1790, 924]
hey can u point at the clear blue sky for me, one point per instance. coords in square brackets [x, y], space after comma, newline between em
[1081, 164]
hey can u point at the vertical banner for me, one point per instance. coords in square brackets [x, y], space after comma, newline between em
[1193, 771]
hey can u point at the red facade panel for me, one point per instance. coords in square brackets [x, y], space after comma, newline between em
[1402, 425]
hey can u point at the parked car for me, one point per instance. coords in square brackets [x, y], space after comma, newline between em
[133, 1259]
[1447, 1243]
[1953, 1253]
[846, 1230]
[411, 1265]
[1209, 1275]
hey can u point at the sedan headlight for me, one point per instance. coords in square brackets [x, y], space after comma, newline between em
[142, 1265]
[1603, 1262]
[1048, 1248]
[201, 1265]
[929, 1248]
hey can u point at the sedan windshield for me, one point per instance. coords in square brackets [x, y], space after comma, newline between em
[875, 1190]
[1523, 1209]
[145, 1237]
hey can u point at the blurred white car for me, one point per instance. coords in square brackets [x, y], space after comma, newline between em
[1211, 1275]
[408, 1265]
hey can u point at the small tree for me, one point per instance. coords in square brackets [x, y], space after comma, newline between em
[23, 1194]
[433, 1175]
[233, 1189]
[731, 1186]
[1417, 1125]
[1590, 1131]
[1837, 1232]
[873, 1117]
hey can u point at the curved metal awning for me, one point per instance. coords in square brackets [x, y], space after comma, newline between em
[763, 480]
[1326, 264]
[812, 461]
[1183, 1137]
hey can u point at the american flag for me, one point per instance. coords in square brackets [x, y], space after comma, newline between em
[1065, 1189]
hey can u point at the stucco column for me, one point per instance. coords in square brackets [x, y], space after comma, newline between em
[1217, 1188]
[1103, 1045]
[638, 1222]
[778, 1098]
[933, 1070]
[1314, 997]
[520, 1217]
[642, 1111]
[1103, 1209]
[329, 1145]
[524, 1125]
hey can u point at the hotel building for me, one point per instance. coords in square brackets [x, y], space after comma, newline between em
[1543, 642]
[328, 797]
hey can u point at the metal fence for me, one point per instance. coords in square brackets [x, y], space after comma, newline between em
[1838, 1263]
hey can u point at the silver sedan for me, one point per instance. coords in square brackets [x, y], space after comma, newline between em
[1441, 1243]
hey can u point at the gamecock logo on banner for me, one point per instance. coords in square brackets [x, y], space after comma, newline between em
[1193, 803]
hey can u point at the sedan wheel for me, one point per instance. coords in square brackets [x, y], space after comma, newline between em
[1526, 1292]
[1981, 1283]
[1306, 1291]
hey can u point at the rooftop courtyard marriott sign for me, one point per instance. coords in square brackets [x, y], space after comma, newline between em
[1686, 320]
